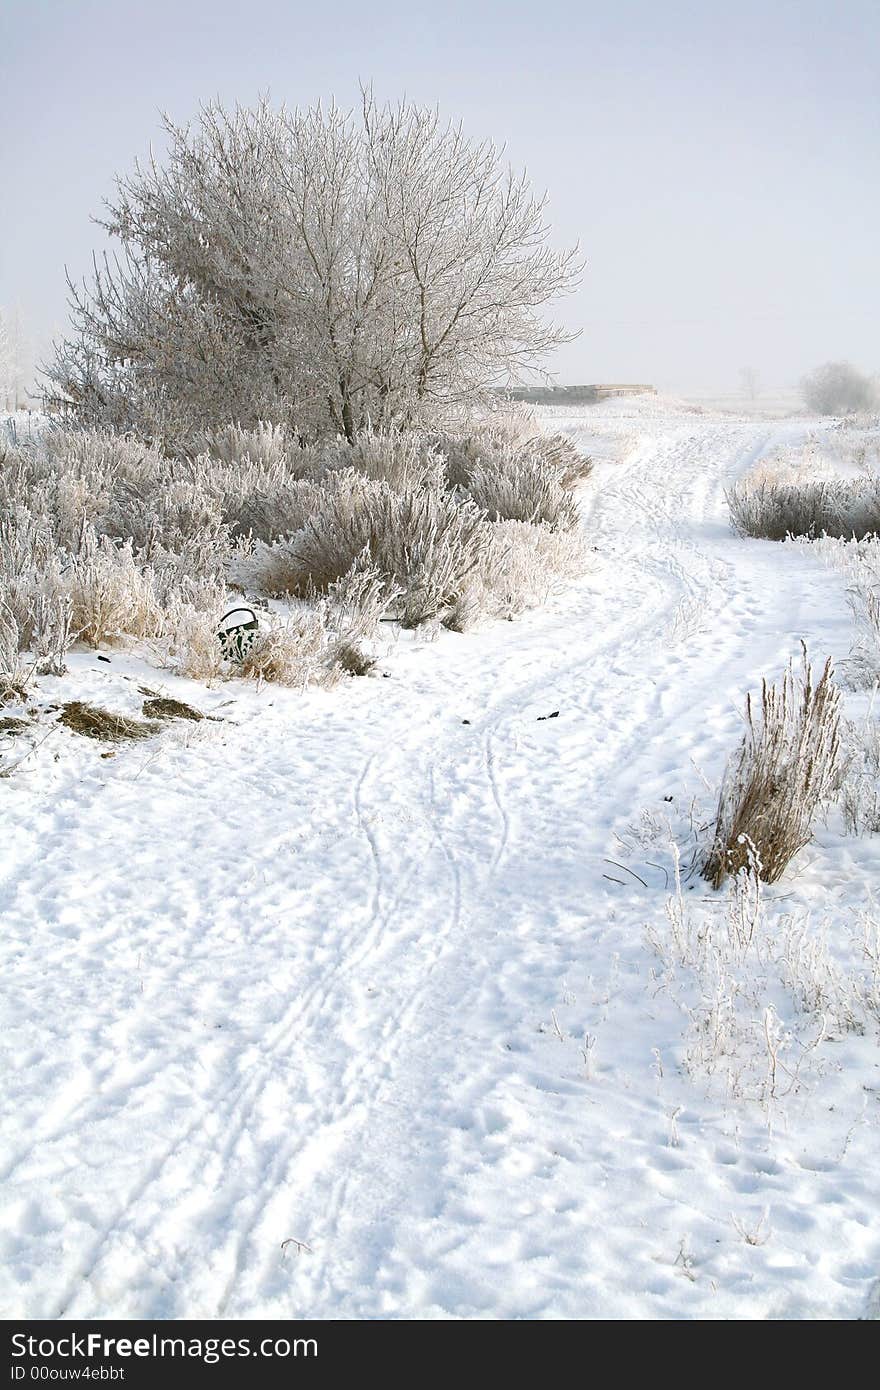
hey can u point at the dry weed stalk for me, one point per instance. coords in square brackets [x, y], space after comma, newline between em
[786, 767]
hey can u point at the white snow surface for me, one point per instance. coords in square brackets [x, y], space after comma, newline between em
[326, 971]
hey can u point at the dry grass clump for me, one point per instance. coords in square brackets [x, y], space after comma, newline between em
[15, 677]
[773, 509]
[514, 472]
[105, 539]
[787, 765]
[164, 707]
[422, 543]
[93, 722]
[404, 459]
[520, 569]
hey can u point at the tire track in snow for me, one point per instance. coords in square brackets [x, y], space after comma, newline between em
[363, 1098]
[496, 797]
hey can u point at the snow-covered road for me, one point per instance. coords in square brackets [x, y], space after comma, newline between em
[353, 971]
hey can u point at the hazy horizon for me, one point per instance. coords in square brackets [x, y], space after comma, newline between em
[719, 170]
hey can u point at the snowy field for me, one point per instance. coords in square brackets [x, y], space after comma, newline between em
[351, 1004]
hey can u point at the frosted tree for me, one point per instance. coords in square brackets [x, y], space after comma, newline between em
[838, 388]
[4, 362]
[15, 362]
[750, 379]
[321, 267]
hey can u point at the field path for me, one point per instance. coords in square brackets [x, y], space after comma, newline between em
[298, 1009]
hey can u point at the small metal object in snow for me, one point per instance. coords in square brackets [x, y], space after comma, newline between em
[236, 632]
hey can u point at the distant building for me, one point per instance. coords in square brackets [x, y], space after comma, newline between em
[577, 395]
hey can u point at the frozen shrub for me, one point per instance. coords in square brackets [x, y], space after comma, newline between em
[259, 478]
[860, 790]
[265, 508]
[14, 674]
[267, 446]
[845, 508]
[100, 456]
[318, 644]
[87, 474]
[529, 562]
[562, 455]
[497, 444]
[838, 388]
[353, 660]
[104, 538]
[53, 632]
[522, 489]
[787, 765]
[298, 652]
[515, 472]
[360, 599]
[180, 516]
[422, 542]
[518, 570]
[28, 568]
[191, 646]
[405, 459]
[110, 596]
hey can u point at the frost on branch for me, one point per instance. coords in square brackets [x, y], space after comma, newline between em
[320, 268]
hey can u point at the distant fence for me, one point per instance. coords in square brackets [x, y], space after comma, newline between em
[577, 395]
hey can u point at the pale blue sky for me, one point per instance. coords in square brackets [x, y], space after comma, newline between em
[718, 164]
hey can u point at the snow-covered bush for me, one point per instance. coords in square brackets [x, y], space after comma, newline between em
[405, 459]
[111, 596]
[422, 542]
[786, 767]
[522, 490]
[839, 388]
[502, 441]
[860, 789]
[106, 538]
[513, 471]
[189, 646]
[848, 508]
[14, 675]
[518, 570]
[297, 652]
[266, 446]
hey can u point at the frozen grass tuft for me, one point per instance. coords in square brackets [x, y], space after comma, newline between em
[844, 508]
[763, 990]
[828, 486]
[787, 766]
[93, 722]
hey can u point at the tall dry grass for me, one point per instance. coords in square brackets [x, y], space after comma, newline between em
[786, 767]
[105, 539]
